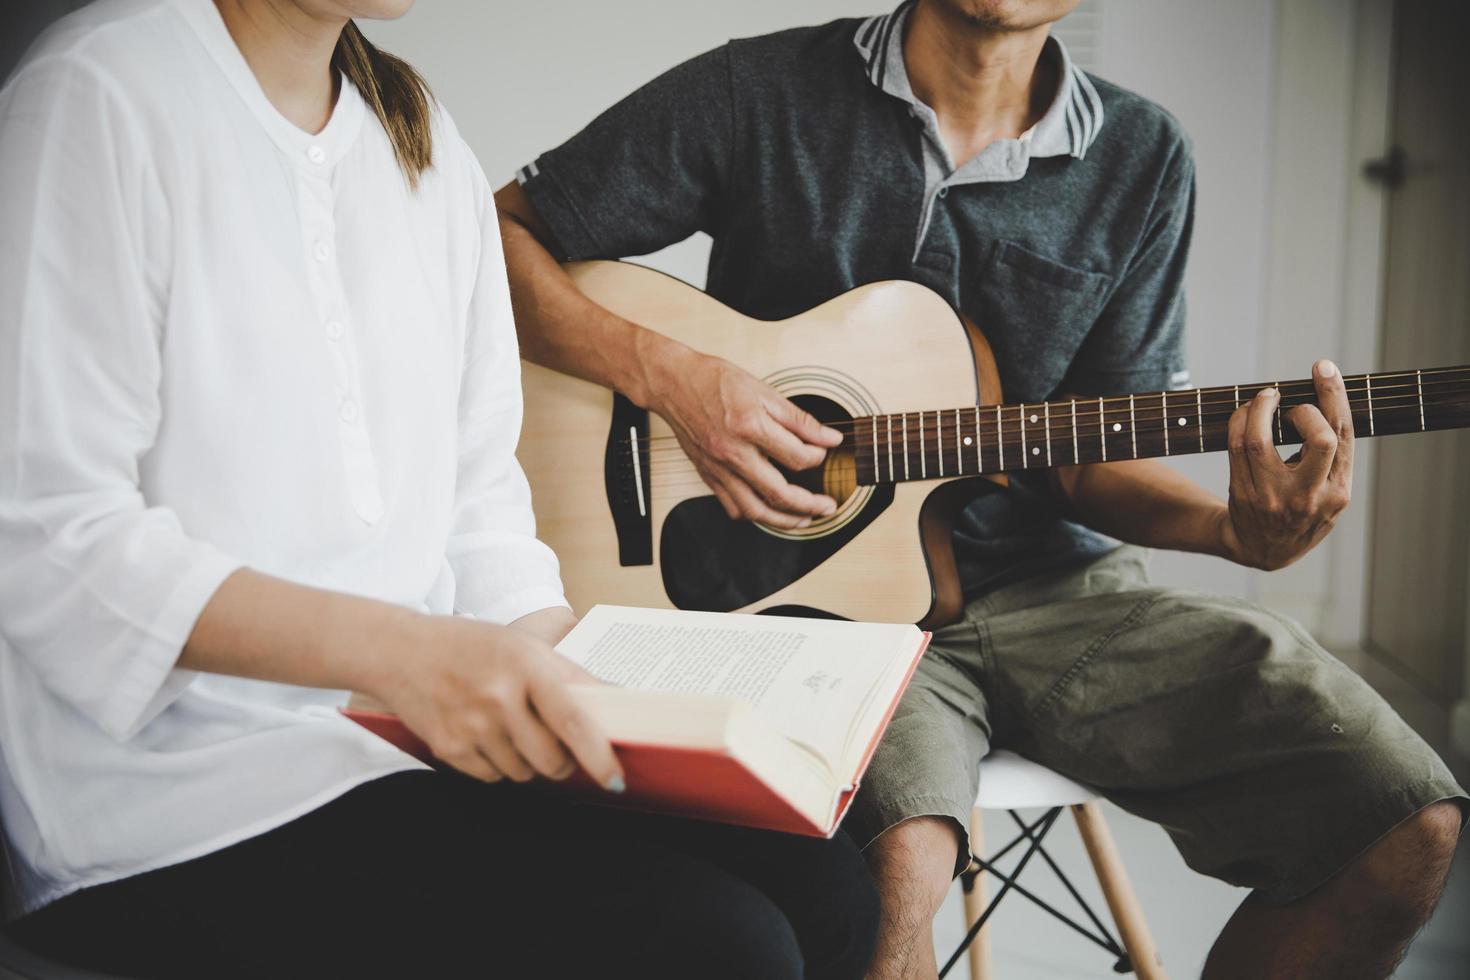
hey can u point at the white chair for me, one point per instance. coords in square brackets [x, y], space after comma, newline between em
[1009, 782]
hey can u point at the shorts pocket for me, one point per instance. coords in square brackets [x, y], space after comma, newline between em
[1035, 311]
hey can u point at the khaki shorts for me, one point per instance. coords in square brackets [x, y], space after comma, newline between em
[1270, 764]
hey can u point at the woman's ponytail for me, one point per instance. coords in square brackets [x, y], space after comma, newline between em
[398, 95]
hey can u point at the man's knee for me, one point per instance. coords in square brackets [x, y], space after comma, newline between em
[1404, 872]
[914, 861]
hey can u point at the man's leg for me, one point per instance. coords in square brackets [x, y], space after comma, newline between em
[913, 866]
[916, 799]
[1270, 763]
[1360, 923]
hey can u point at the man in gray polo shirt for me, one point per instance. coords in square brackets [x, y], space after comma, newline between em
[953, 143]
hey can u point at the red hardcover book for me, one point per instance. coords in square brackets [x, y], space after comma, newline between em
[754, 720]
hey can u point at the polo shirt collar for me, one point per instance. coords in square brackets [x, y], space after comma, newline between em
[1069, 127]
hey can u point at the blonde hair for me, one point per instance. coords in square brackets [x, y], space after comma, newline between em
[398, 95]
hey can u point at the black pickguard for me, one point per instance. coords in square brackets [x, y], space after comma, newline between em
[712, 563]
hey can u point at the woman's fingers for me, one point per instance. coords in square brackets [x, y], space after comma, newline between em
[537, 746]
[555, 706]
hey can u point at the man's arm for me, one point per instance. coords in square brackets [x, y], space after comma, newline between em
[730, 424]
[1277, 511]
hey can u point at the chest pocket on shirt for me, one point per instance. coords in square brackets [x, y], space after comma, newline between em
[1035, 312]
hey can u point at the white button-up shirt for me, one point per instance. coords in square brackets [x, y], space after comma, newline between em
[224, 342]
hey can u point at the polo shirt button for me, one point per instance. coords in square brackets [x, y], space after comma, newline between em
[348, 411]
[334, 329]
[321, 251]
[316, 154]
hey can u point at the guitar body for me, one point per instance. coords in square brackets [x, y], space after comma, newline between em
[633, 523]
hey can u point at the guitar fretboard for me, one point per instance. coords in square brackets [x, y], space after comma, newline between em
[980, 439]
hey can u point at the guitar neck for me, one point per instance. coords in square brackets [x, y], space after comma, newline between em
[977, 440]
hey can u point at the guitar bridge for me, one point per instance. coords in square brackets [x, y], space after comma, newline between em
[626, 477]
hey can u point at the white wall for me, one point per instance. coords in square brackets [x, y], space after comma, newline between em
[519, 78]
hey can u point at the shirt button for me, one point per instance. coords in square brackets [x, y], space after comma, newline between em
[944, 192]
[316, 154]
[321, 251]
[334, 330]
[348, 412]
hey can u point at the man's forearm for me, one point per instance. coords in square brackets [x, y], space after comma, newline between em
[562, 329]
[1147, 503]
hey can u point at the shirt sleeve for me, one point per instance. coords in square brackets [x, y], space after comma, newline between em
[99, 591]
[501, 570]
[647, 173]
[1138, 342]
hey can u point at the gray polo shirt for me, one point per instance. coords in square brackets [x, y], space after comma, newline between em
[809, 161]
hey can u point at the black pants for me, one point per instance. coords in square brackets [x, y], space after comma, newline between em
[435, 875]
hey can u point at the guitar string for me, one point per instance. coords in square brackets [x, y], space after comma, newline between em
[1092, 423]
[680, 464]
[671, 470]
[1288, 389]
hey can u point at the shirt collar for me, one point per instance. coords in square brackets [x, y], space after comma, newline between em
[307, 150]
[1069, 127]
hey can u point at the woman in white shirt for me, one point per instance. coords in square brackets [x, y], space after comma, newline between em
[259, 400]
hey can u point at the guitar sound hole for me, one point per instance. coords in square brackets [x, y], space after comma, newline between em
[837, 475]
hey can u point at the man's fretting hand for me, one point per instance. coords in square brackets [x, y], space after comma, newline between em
[1279, 510]
[733, 426]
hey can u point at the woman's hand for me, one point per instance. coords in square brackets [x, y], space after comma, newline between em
[492, 701]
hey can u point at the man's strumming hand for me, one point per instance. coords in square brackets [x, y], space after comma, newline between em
[736, 428]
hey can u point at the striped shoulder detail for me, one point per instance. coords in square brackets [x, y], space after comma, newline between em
[872, 40]
[1084, 112]
[527, 172]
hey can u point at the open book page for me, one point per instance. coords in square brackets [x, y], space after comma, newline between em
[809, 678]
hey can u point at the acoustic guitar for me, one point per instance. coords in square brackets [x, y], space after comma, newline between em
[915, 390]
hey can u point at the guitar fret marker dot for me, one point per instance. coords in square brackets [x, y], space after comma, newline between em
[1181, 420]
[1117, 426]
[1033, 416]
[1035, 450]
[967, 440]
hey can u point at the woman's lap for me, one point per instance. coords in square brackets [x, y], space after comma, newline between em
[434, 875]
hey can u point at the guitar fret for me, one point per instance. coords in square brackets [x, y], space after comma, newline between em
[1132, 427]
[959, 460]
[1419, 384]
[1076, 456]
[1046, 410]
[1102, 429]
[1199, 418]
[876, 474]
[1021, 417]
[1368, 384]
[1164, 412]
[890, 448]
[979, 460]
[939, 440]
[923, 456]
[906, 441]
[1000, 438]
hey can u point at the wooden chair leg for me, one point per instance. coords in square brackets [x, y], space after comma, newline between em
[979, 953]
[1127, 913]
